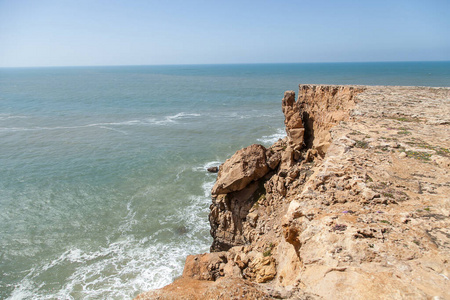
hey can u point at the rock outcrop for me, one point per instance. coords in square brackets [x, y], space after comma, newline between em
[323, 107]
[292, 120]
[353, 204]
[245, 166]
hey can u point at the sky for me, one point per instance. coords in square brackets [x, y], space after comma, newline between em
[139, 32]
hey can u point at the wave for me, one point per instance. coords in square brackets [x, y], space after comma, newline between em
[107, 125]
[246, 115]
[207, 187]
[172, 119]
[268, 140]
[128, 264]
[7, 117]
[118, 271]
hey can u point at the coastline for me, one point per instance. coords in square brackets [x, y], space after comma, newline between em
[352, 204]
[119, 163]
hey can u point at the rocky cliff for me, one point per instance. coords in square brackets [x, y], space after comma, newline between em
[353, 204]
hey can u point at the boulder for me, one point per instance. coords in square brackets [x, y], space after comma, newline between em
[274, 160]
[245, 166]
[213, 169]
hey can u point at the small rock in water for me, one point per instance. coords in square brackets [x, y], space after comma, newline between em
[181, 230]
[213, 169]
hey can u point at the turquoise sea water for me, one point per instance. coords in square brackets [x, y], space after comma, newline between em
[103, 182]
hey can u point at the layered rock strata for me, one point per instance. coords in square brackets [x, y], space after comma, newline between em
[353, 204]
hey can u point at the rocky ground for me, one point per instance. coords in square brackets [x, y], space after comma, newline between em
[353, 204]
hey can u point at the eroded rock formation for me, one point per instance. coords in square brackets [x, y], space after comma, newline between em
[245, 166]
[352, 204]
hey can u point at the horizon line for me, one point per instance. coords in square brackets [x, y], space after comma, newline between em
[223, 64]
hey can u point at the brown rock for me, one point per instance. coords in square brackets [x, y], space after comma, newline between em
[261, 269]
[287, 158]
[228, 216]
[322, 107]
[204, 266]
[213, 169]
[245, 166]
[252, 218]
[293, 119]
[222, 289]
[274, 160]
[368, 194]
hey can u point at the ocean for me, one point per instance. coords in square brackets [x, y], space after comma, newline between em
[103, 182]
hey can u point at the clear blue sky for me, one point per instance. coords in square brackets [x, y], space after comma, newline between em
[138, 32]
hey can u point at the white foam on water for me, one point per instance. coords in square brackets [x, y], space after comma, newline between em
[204, 167]
[100, 125]
[127, 265]
[113, 129]
[129, 220]
[119, 271]
[184, 115]
[177, 177]
[171, 119]
[7, 117]
[245, 114]
[268, 140]
[23, 290]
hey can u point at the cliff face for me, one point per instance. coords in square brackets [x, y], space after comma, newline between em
[353, 204]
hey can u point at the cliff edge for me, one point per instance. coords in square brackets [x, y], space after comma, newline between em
[353, 204]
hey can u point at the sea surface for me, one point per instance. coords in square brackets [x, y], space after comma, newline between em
[103, 182]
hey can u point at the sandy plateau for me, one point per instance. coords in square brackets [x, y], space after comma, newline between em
[353, 204]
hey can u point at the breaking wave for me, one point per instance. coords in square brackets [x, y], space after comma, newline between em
[268, 140]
